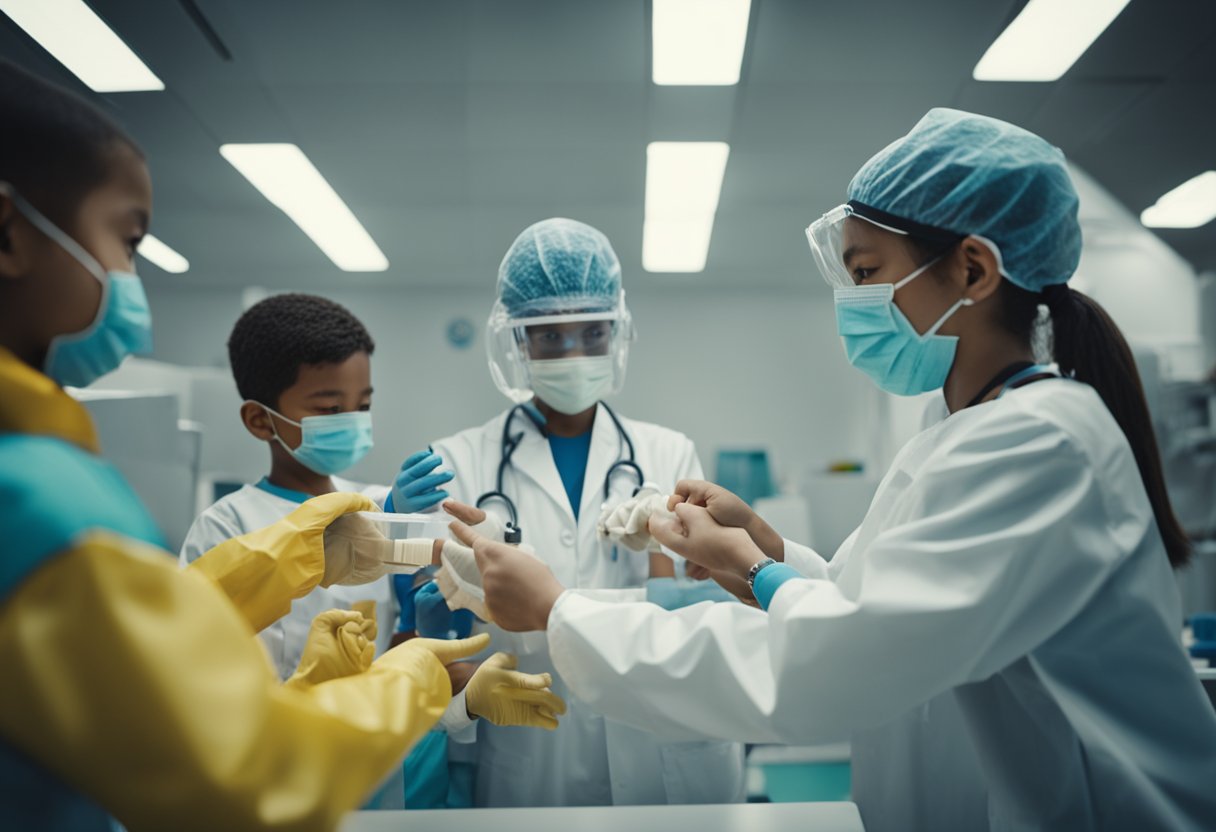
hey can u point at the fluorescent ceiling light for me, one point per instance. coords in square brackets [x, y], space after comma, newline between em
[82, 42]
[1046, 39]
[699, 42]
[1190, 205]
[163, 256]
[288, 179]
[683, 182]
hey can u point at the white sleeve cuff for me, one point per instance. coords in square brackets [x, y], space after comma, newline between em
[456, 720]
[806, 560]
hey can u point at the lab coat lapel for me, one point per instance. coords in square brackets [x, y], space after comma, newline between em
[605, 450]
[533, 459]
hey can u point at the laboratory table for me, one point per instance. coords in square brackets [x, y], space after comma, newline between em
[739, 817]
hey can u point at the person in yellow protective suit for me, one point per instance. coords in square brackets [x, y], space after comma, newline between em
[131, 688]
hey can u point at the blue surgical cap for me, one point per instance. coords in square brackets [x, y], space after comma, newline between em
[557, 266]
[970, 174]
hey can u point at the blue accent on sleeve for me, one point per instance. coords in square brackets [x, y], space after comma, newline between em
[36, 472]
[673, 594]
[769, 580]
[570, 455]
[286, 493]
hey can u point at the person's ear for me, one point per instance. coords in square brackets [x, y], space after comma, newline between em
[257, 421]
[981, 269]
[14, 255]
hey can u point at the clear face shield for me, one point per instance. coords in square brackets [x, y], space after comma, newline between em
[513, 344]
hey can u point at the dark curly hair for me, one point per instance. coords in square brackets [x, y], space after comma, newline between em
[278, 335]
[55, 147]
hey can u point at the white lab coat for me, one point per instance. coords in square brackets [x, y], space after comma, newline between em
[588, 760]
[251, 508]
[1010, 559]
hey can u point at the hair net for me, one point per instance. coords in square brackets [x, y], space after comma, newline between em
[971, 174]
[559, 265]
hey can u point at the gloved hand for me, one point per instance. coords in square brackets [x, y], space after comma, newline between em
[448, 651]
[459, 580]
[357, 552]
[340, 643]
[263, 571]
[416, 488]
[504, 696]
[433, 618]
[628, 522]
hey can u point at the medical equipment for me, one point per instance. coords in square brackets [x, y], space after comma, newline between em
[510, 442]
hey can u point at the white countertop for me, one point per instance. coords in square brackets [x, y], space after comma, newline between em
[739, 817]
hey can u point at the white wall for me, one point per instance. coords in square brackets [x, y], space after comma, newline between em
[1148, 289]
[728, 369]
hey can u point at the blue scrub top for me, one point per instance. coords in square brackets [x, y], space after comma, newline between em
[570, 455]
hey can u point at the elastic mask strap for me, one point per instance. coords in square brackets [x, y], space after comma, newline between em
[37, 219]
[902, 283]
[942, 320]
[275, 427]
[961, 302]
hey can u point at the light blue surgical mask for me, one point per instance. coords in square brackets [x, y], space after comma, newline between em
[122, 326]
[331, 443]
[881, 342]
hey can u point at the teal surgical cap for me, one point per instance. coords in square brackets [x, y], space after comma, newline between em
[558, 266]
[969, 174]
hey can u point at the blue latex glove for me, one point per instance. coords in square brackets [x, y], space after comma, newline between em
[433, 617]
[405, 588]
[416, 488]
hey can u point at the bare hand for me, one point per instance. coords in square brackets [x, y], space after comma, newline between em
[520, 589]
[736, 586]
[729, 510]
[697, 536]
[467, 514]
[661, 566]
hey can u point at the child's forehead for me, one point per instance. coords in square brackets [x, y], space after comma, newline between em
[353, 372]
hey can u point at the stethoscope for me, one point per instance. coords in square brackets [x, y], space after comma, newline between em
[510, 442]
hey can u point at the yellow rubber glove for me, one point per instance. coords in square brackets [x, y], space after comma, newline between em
[500, 693]
[264, 571]
[340, 643]
[448, 651]
[122, 670]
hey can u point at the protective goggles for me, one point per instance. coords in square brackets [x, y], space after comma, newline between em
[826, 238]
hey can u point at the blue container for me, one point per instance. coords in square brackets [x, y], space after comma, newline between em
[746, 473]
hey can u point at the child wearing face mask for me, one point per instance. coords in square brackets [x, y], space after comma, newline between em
[303, 366]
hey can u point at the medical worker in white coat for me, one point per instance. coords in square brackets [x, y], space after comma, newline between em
[558, 340]
[1011, 583]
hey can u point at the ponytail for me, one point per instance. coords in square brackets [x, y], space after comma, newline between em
[1088, 345]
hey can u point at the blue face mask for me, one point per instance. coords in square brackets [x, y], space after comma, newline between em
[331, 443]
[122, 326]
[881, 342]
